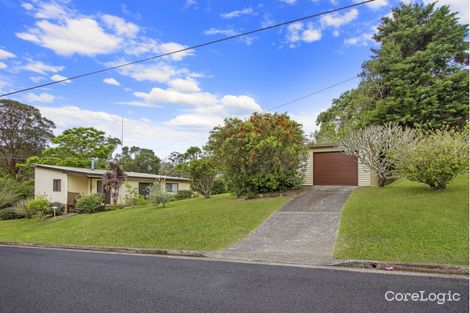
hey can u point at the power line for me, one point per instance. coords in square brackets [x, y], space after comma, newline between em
[189, 48]
[312, 93]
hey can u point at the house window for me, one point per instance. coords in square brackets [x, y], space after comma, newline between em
[144, 189]
[171, 187]
[56, 185]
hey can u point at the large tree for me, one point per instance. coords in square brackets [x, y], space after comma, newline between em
[418, 75]
[264, 153]
[78, 147]
[23, 132]
[135, 159]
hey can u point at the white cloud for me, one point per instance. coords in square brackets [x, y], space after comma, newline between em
[173, 46]
[220, 31]
[159, 72]
[27, 6]
[291, 2]
[3, 65]
[75, 36]
[6, 54]
[461, 6]
[337, 19]
[162, 96]
[237, 13]
[120, 26]
[195, 120]
[361, 40]
[42, 68]
[111, 81]
[50, 11]
[190, 3]
[299, 32]
[42, 97]
[374, 5]
[57, 77]
[160, 136]
[36, 79]
[184, 85]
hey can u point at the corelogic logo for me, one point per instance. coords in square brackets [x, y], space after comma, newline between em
[422, 296]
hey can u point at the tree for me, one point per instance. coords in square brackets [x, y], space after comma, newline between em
[113, 179]
[77, 147]
[436, 158]
[139, 160]
[375, 146]
[202, 172]
[264, 153]
[24, 132]
[418, 76]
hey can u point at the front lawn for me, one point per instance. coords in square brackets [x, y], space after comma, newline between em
[406, 222]
[195, 224]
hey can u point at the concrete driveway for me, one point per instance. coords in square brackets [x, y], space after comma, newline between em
[302, 231]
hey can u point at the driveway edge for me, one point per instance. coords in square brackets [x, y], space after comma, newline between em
[189, 253]
[407, 267]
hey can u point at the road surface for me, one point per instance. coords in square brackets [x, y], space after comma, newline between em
[46, 280]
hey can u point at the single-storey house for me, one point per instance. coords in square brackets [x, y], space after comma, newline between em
[328, 165]
[63, 184]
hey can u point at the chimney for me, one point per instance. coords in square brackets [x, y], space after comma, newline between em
[92, 164]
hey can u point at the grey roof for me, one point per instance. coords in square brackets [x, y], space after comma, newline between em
[100, 172]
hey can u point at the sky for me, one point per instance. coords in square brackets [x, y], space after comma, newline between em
[174, 102]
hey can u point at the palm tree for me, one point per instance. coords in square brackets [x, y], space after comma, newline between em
[113, 179]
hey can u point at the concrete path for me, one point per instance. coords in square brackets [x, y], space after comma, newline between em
[303, 231]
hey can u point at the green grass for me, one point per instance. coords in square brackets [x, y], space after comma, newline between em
[195, 224]
[406, 222]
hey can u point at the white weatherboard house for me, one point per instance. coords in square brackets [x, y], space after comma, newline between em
[327, 165]
[63, 184]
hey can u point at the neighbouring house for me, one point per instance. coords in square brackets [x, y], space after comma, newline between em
[327, 165]
[63, 184]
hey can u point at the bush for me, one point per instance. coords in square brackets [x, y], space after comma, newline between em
[158, 196]
[90, 203]
[59, 208]
[219, 187]
[264, 153]
[132, 196]
[114, 207]
[41, 206]
[436, 158]
[9, 193]
[22, 207]
[183, 194]
[10, 214]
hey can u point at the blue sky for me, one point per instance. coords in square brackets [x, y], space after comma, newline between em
[172, 103]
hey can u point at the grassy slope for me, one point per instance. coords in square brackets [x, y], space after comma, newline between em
[406, 222]
[205, 224]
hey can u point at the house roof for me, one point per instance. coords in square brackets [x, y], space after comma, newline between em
[324, 145]
[99, 172]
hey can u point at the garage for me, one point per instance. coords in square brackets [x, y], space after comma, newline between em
[334, 168]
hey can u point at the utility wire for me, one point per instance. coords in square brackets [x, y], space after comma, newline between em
[312, 93]
[189, 48]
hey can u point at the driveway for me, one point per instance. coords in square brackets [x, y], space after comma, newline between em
[302, 231]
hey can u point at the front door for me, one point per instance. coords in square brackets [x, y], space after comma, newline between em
[100, 189]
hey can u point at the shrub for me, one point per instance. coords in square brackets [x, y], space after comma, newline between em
[202, 172]
[114, 207]
[41, 206]
[90, 203]
[132, 196]
[183, 194]
[436, 158]
[9, 193]
[22, 207]
[10, 214]
[59, 208]
[219, 186]
[264, 153]
[157, 195]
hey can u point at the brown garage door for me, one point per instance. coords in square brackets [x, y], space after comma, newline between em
[334, 168]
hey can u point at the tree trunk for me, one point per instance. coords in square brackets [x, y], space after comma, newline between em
[381, 180]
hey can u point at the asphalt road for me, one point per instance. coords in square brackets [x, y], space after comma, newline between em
[42, 280]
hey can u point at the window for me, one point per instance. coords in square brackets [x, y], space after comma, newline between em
[171, 187]
[144, 189]
[56, 185]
